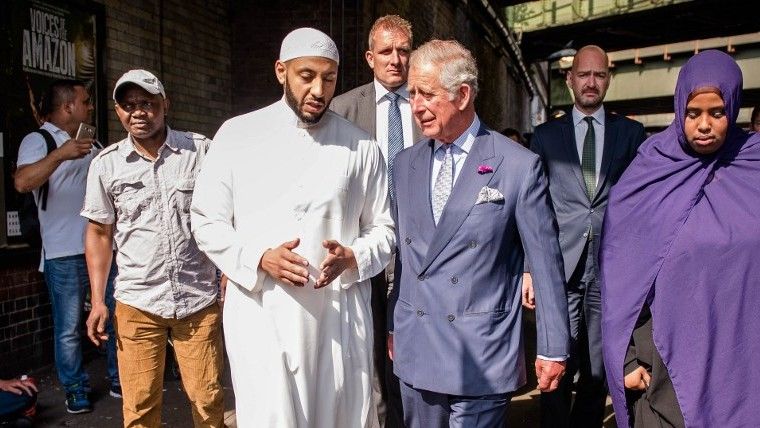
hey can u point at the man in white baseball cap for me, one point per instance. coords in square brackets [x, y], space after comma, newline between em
[142, 78]
[292, 205]
[138, 198]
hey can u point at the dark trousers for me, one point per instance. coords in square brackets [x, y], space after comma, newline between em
[13, 406]
[584, 307]
[427, 409]
[389, 384]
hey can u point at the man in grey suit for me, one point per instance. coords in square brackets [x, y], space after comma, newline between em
[584, 153]
[468, 202]
[382, 108]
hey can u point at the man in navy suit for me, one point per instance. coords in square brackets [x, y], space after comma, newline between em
[584, 153]
[468, 202]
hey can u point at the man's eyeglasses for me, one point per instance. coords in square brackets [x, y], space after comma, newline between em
[146, 106]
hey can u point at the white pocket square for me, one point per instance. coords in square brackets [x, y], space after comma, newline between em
[488, 194]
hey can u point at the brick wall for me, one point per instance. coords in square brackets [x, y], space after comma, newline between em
[25, 323]
[186, 44]
[259, 27]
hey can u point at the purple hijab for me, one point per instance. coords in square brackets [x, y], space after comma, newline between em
[682, 234]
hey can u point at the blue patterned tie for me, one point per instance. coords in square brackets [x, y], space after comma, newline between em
[395, 137]
[443, 183]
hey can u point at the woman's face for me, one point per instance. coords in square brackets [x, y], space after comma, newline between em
[706, 124]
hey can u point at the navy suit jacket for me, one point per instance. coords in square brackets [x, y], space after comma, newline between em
[455, 309]
[554, 142]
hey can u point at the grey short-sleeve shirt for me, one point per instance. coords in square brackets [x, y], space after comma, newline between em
[161, 269]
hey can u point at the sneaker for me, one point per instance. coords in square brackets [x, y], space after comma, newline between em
[115, 391]
[77, 402]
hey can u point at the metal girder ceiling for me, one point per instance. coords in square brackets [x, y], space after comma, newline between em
[680, 22]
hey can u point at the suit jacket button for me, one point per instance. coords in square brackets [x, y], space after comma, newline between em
[408, 241]
[420, 313]
[454, 280]
[451, 318]
[473, 244]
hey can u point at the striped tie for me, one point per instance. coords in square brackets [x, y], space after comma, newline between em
[443, 183]
[395, 138]
[588, 163]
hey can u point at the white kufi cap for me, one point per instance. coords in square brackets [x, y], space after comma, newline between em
[308, 42]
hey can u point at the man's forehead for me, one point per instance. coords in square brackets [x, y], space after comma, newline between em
[312, 63]
[590, 60]
[132, 91]
[391, 35]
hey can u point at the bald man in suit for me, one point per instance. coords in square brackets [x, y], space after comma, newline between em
[584, 153]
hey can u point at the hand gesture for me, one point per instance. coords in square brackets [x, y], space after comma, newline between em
[528, 298]
[18, 386]
[222, 290]
[637, 380]
[549, 374]
[390, 346]
[96, 323]
[282, 264]
[75, 149]
[339, 258]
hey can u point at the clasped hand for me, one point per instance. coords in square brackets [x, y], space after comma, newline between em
[637, 380]
[284, 264]
[549, 374]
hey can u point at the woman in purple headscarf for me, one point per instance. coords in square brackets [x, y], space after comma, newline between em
[679, 264]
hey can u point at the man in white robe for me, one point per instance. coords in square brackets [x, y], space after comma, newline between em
[292, 205]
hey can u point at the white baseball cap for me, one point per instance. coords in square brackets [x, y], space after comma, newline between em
[142, 78]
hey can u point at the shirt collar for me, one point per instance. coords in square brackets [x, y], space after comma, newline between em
[578, 115]
[128, 147]
[380, 91]
[53, 129]
[465, 141]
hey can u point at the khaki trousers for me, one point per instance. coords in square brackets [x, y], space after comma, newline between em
[141, 347]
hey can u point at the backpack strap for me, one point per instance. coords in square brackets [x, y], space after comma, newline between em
[51, 145]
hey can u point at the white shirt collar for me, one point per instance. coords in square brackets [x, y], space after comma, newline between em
[578, 115]
[380, 91]
[53, 129]
[464, 142]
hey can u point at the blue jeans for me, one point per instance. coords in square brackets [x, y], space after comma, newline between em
[67, 282]
[13, 406]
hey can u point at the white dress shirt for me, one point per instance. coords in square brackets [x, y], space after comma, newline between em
[459, 150]
[581, 127]
[381, 117]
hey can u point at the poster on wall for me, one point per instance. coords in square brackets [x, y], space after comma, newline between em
[43, 41]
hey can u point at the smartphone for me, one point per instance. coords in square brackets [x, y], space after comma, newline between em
[85, 131]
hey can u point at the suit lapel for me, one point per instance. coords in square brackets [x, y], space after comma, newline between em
[608, 153]
[367, 109]
[416, 132]
[571, 149]
[463, 195]
[419, 182]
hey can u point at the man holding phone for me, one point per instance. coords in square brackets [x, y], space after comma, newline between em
[65, 105]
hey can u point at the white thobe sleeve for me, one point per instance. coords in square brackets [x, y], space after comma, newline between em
[373, 246]
[211, 217]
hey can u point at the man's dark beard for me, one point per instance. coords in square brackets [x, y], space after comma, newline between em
[297, 107]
